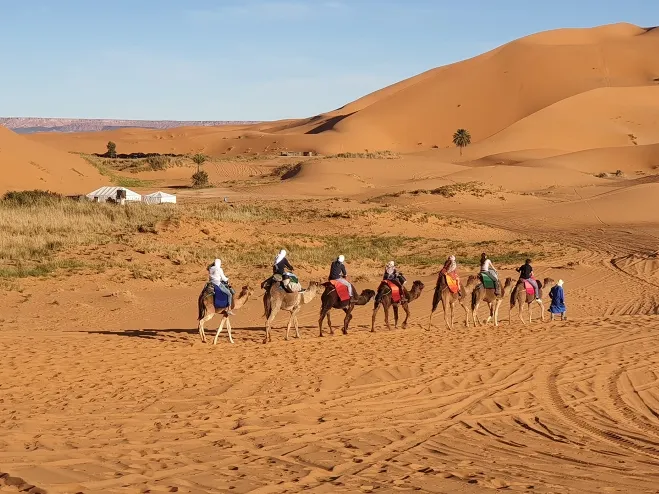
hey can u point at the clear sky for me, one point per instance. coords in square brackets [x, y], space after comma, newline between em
[252, 59]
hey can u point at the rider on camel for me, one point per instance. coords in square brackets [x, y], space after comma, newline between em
[392, 274]
[488, 268]
[451, 268]
[526, 273]
[220, 281]
[282, 267]
[338, 273]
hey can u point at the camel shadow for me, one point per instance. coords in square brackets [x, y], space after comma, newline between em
[145, 333]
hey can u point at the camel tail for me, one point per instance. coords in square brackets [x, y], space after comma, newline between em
[436, 299]
[267, 306]
[202, 306]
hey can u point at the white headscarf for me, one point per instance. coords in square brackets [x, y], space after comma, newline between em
[280, 256]
[560, 283]
[452, 257]
[341, 258]
[390, 264]
[217, 263]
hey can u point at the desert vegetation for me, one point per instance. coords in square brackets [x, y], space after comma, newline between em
[44, 233]
[462, 139]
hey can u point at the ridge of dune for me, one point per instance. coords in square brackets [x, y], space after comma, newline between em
[603, 117]
[27, 165]
[493, 95]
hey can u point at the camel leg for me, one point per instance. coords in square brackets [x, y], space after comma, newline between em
[430, 320]
[329, 323]
[297, 328]
[386, 317]
[395, 308]
[497, 304]
[448, 326]
[542, 310]
[474, 315]
[521, 309]
[490, 308]
[266, 338]
[219, 330]
[530, 313]
[466, 314]
[452, 305]
[346, 320]
[288, 328]
[294, 316]
[203, 321]
[375, 312]
[406, 308]
[229, 330]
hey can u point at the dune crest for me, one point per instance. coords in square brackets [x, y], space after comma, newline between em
[27, 164]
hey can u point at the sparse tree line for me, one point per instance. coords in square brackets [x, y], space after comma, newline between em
[461, 139]
[159, 162]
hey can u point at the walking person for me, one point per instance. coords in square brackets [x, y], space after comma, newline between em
[557, 296]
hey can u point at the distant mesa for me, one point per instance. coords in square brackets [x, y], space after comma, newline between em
[31, 125]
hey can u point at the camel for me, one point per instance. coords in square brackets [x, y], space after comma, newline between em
[482, 294]
[330, 300]
[384, 297]
[443, 294]
[519, 296]
[207, 310]
[277, 299]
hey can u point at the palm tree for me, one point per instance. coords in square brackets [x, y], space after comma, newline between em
[462, 139]
[199, 160]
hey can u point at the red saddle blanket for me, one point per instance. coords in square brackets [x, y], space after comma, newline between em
[452, 282]
[395, 291]
[341, 290]
[529, 288]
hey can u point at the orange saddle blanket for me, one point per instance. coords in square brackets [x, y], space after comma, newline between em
[395, 291]
[452, 282]
[341, 290]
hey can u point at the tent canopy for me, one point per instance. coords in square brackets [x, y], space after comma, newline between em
[105, 193]
[159, 197]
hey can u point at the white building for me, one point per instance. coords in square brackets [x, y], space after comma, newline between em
[105, 193]
[159, 198]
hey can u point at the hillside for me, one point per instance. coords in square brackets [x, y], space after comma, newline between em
[28, 165]
[486, 95]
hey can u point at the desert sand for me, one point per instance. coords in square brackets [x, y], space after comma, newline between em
[105, 385]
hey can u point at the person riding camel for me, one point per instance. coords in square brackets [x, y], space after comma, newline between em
[526, 273]
[338, 273]
[488, 268]
[392, 274]
[451, 267]
[282, 267]
[220, 281]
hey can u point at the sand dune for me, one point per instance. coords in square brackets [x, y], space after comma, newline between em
[500, 92]
[29, 165]
[605, 117]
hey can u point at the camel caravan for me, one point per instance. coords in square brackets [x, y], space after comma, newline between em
[282, 291]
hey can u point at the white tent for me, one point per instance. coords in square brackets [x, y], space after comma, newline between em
[159, 198]
[105, 193]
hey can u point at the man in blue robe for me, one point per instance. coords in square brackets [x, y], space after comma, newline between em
[557, 296]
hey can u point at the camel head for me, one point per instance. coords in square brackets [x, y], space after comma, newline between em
[246, 292]
[508, 282]
[472, 280]
[546, 282]
[365, 297]
[417, 287]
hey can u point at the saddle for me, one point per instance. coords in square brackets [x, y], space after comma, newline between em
[341, 290]
[529, 288]
[452, 282]
[487, 280]
[395, 290]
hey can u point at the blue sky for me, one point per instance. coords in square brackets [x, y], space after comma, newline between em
[252, 59]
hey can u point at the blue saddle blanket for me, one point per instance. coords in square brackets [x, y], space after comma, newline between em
[221, 300]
